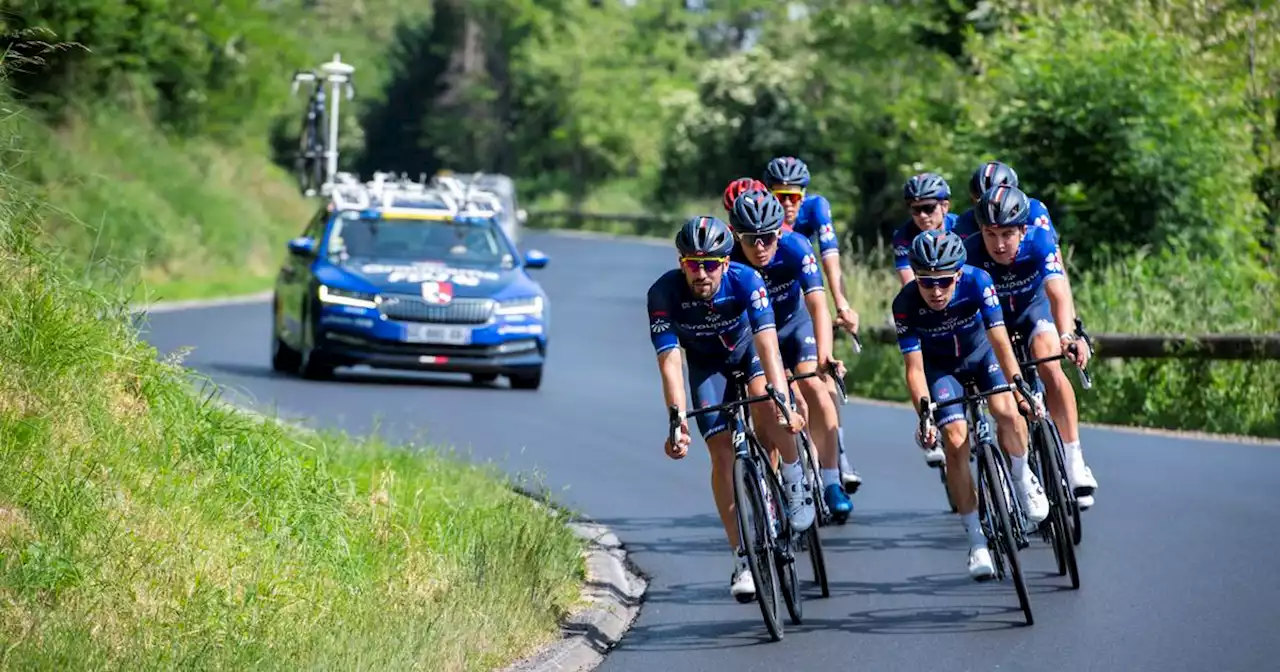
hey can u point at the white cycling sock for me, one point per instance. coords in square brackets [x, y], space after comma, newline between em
[1020, 470]
[1072, 448]
[830, 477]
[791, 472]
[973, 528]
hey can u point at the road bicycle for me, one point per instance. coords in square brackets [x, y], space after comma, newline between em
[313, 144]
[999, 510]
[764, 527]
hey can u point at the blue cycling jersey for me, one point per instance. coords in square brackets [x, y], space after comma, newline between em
[1020, 285]
[714, 328]
[958, 331]
[814, 218]
[1037, 218]
[792, 271]
[906, 233]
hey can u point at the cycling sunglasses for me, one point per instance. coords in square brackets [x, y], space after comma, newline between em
[708, 264]
[926, 209]
[931, 281]
[787, 194]
[753, 239]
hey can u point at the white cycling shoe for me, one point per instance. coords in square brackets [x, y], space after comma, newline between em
[799, 505]
[981, 568]
[1079, 475]
[934, 457]
[741, 584]
[1034, 502]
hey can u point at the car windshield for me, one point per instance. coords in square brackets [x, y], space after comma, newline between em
[353, 236]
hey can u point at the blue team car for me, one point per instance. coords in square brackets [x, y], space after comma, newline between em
[404, 276]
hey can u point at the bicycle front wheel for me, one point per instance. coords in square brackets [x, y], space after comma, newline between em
[1055, 480]
[995, 485]
[811, 539]
[753, 524]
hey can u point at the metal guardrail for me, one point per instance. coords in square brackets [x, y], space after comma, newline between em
[1106, 346]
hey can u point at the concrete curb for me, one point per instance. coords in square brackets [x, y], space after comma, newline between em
[173, 306]
[612, 591]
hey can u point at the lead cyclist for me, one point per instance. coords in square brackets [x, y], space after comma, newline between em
[809, 215]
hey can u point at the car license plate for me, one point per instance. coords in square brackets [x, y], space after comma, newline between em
[431, 333]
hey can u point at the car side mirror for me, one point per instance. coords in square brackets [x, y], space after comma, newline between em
[535, 259]
[303, 246]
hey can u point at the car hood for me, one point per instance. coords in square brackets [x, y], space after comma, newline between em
[400, 277]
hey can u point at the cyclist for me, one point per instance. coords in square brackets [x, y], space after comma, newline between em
[788, 178]
[951, 328]
[928, 196]
[739, 186]
[1029, 280]
[719, 313]
[991, 174]
[786, 261]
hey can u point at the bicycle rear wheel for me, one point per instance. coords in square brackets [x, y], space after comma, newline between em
[1003, 543]
[753, 525]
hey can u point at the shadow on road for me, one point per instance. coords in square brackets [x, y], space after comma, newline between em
[350, 376]
[749, 630]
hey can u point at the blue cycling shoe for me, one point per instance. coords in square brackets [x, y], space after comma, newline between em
[838, 502]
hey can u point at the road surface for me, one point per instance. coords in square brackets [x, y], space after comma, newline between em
[1175, 566]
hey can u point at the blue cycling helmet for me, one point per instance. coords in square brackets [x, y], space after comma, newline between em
[1002, 205]
[756, 212]
[991, 174]
[704, 236]
[936, 250]
[788, 171]
[926, 186]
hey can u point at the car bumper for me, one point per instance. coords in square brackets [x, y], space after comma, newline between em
[508, 346]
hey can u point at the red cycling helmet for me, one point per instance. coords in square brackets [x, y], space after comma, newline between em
[740, 186]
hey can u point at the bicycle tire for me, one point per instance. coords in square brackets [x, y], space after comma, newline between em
[995, 481]
[749, 501]
[783, 557]
[812, 539]
[1055, 475]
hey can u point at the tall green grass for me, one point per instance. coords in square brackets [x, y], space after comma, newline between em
[144, 527]
[176, 218]
[1164, 292]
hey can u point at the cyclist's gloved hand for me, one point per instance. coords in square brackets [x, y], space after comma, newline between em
[929, 438]
[681, 448]
[825, 365]
[797, 422]
[847, 319]
[1076, 349]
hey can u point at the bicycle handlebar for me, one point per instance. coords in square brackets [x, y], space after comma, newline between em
[673, 411]
[834, 373]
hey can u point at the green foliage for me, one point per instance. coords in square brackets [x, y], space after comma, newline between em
[1125, 142]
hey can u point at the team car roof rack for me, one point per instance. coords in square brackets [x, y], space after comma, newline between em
[443, 196]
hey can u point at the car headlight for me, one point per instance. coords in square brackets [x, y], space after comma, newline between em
[344, 297]
[531, 305]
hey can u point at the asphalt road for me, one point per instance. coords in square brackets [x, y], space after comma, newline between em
[1176, 565]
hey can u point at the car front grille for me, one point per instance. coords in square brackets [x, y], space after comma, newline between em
[409, 308]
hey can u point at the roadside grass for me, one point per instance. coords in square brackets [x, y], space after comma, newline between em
[183, 218]
[146, 527]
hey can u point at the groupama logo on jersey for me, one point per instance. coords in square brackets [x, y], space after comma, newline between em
[989, 296]
[759, 298]
[809, 265]
[1053, 262]
[1042, 221]
[827, 233]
